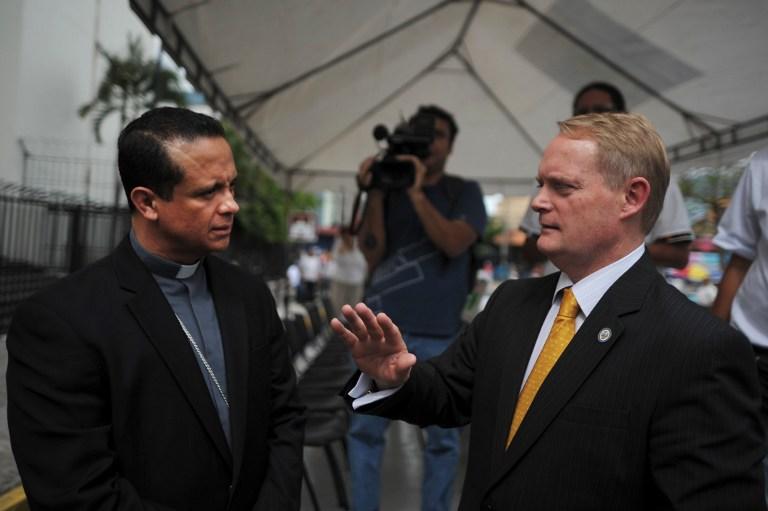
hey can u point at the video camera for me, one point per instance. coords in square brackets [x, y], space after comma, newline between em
[412, 137]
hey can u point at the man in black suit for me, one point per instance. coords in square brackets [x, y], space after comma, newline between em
[158, 378]
[652, 404]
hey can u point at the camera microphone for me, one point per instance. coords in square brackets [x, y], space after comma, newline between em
[380, 132]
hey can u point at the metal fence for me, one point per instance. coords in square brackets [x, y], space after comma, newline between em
[46, 235]
[80, 170]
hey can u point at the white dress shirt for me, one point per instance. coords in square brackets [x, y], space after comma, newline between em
[588, 292]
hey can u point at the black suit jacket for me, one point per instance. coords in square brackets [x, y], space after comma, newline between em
[108, 408]
[662, 415]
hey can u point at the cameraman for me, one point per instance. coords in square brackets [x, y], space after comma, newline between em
[416, 241]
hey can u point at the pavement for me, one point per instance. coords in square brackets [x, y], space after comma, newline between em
[401, 471]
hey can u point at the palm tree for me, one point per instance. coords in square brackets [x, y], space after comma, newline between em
[131, 85]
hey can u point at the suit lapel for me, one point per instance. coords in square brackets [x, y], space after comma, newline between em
[155, 316]
[579, 360]
[230, 310]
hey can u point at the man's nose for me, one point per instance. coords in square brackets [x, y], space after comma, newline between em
[539, 201]
[229, 205]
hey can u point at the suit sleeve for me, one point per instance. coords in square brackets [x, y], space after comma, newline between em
[706, 439]
[59, 419]
[282, 486]
[439, 391]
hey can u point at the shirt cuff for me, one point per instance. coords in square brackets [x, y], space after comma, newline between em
[362, 394]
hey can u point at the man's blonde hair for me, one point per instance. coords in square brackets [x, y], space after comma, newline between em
[628, 146]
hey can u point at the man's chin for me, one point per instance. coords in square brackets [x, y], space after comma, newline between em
[546, 247]
[218, 245]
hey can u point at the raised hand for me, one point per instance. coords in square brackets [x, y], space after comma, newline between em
[376, 345]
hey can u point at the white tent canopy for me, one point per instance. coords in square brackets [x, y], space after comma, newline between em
[306, 81]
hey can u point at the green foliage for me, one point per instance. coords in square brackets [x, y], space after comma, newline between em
[493, 228]
[131, 85]
[302, 201]
[264, 206]
[485, 248]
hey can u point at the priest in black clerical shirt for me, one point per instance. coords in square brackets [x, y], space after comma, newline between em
[158, 378]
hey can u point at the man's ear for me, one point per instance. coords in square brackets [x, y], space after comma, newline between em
[145, 202]
[636, 193]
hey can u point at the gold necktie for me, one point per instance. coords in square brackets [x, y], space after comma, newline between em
[561, 334]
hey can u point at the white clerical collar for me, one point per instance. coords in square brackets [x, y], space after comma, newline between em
[161, 266]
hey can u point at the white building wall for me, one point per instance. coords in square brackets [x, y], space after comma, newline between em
[54, 69]
[10, 37]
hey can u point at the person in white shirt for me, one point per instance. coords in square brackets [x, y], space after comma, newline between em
[310, 266]
[293, 274]
[743, 230]
[742, 297]
[348, 270]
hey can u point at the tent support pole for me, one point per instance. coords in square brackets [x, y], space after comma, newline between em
[500, 105]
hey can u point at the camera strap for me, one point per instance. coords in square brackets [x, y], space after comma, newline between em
[354, 222]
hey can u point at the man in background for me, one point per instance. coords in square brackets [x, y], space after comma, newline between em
[742, 297]
[416, 242]
[310, 266]
[669, 241]
[348, 270]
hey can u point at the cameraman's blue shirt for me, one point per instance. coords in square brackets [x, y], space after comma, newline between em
[416, 285]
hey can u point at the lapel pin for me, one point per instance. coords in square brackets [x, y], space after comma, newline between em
[604, 335]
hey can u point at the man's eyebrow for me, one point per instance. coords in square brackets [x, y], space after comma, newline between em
[218, 184]
[209, 188]
[556, 180]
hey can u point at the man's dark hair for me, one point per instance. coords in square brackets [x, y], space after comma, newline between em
[142, 159]
[439, 113]
[617, 98]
